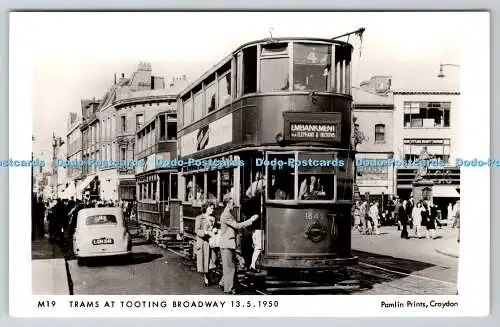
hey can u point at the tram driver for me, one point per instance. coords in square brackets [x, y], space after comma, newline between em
[311, 187]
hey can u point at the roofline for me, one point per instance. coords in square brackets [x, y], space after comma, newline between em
[245, 45]
[165, 97]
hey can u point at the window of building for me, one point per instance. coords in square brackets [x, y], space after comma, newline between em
[198, 106]
[436, 148]
[316, 182]
[281, 178]
[188, 112]
[210, 101]
[124, 123]
[426, 114]
[139, 121]
[123, 153]
[274, 74]
[379, 133]
[311, 67]
[225, 89]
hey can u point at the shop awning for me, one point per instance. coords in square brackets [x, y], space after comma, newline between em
[85, 183]
[445, 191]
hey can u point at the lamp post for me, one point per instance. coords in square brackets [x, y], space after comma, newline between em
[441, 72]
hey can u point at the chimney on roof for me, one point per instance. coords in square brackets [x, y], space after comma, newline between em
[115, 79]
[123, 75]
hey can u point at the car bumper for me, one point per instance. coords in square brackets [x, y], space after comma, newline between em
[101, 254]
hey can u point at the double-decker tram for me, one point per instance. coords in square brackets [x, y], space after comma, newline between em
[277, 113]
[158, 205]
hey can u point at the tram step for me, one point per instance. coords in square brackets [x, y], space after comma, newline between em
[288, 282]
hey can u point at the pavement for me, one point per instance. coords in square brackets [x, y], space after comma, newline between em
[444, 250]
[48, 264]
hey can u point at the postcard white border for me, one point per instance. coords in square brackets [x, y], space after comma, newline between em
[474, 265]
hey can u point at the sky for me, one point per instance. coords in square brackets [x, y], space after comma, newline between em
[75, 55]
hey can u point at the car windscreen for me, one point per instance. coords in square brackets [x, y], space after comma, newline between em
[101, 220]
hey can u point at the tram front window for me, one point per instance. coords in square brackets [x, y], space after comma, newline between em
[317, 179]
[274, 74]
[281, 178]
[311, 67]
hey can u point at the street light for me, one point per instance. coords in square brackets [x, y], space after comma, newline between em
[441, 73]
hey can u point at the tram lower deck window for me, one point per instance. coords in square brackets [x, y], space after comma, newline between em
[281, 178]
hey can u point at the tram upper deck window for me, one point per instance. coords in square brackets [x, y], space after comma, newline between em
[225, 89]
[311, 67]
[198, 105]
[188, 112]
[171, 127]
[281, 177]
[274, 68]
[210, 102]
[249, 70]
[317, 178]
[162, 127]
[342, 70]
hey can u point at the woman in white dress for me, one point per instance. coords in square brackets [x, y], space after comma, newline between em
[416, 216]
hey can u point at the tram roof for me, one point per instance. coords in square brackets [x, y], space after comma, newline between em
[255, 42]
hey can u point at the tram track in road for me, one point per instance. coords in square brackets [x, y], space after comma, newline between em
[393, 276]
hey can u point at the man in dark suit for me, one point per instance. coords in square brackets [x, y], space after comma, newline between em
[403, 218]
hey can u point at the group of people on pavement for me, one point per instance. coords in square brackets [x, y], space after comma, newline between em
[366, 217]
[416, 216]
[218, 245]
[61, 214]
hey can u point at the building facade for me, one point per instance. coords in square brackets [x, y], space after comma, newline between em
[373, 108]
[74, 153]
[89, 185]
[127, 105]
[428, 120]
